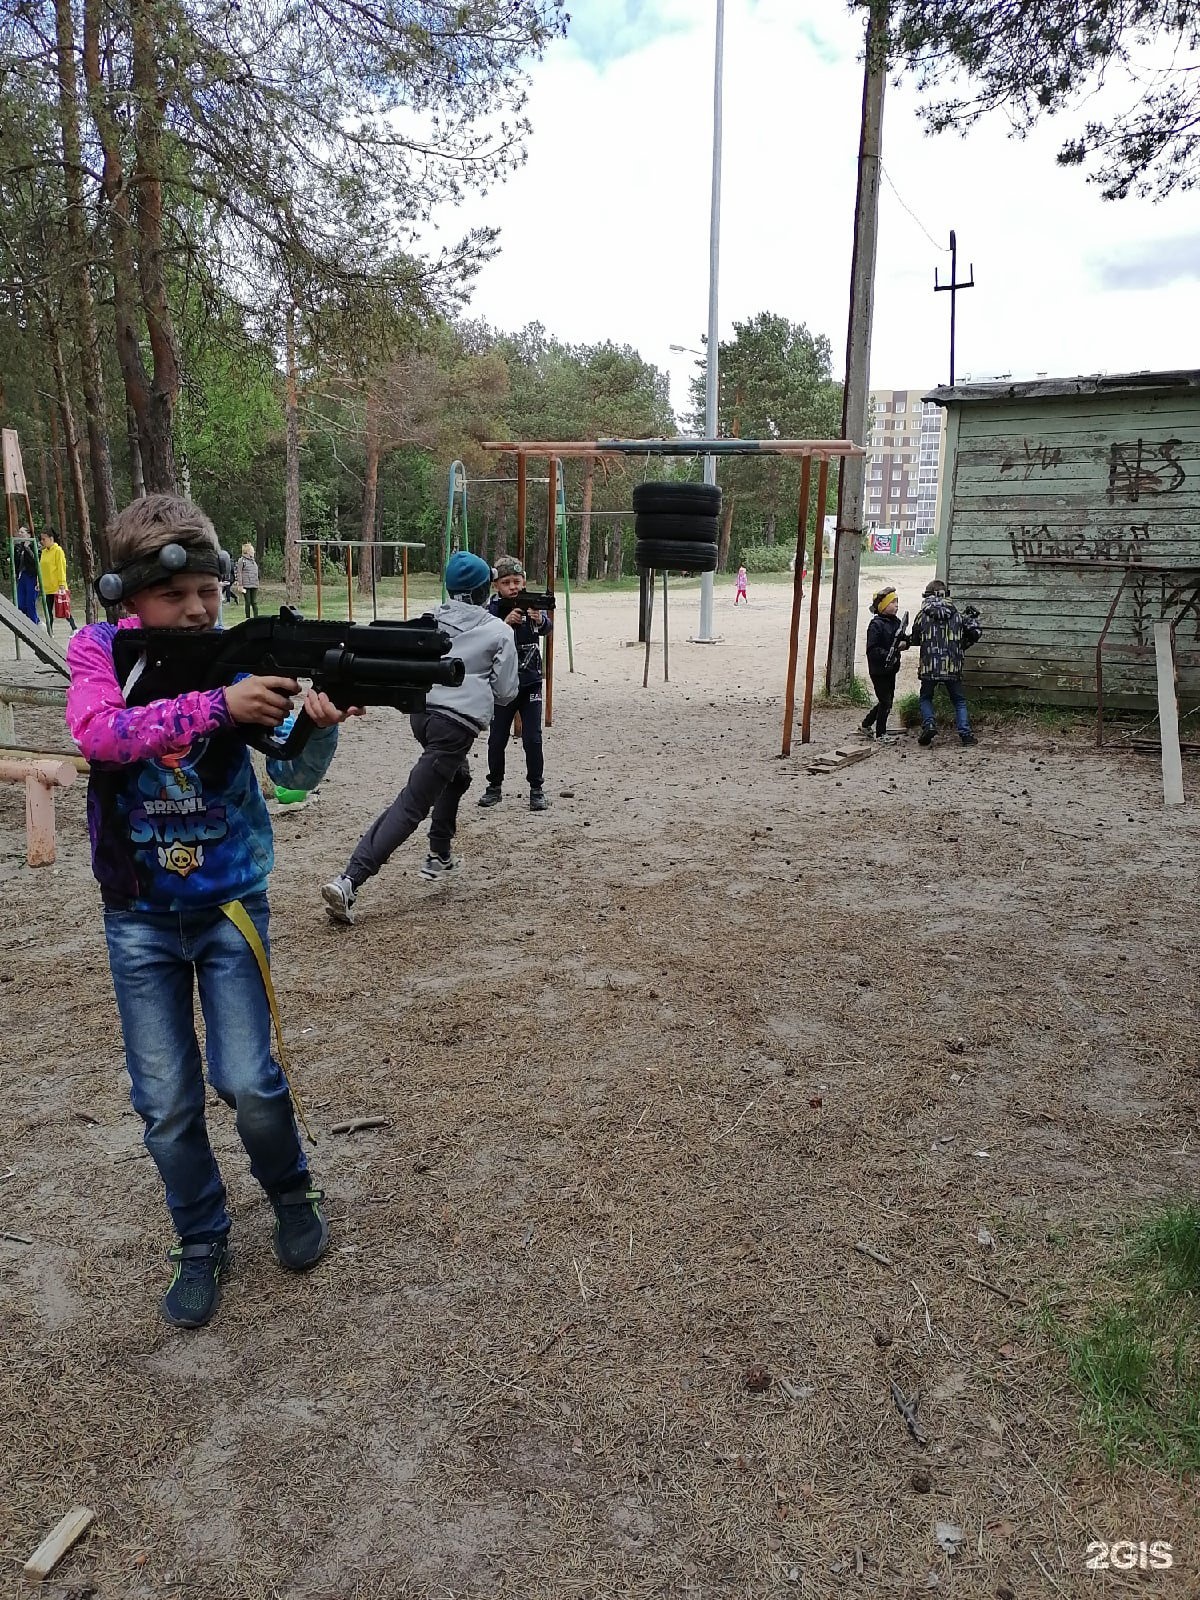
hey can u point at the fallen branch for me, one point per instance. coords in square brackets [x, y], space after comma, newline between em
[873, 1255]
[908, 1410]
[17, 1238]
[1005, 1294]
[357, 1124]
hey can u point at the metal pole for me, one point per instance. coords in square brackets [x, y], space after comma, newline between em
[666, 635]
[705, 635]
[349, 583]
[649, 624]
[814, 604]
[847, 548]
[789, 704]
[551, 562]
[521, 496]
[404, 574]
[318, 580]
[953, 298]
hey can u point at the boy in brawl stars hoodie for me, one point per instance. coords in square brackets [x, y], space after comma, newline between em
[453, 719]
[181, 848]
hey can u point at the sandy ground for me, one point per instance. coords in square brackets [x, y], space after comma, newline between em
[651, 1069]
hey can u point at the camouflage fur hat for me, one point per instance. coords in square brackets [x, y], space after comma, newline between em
[509, 567]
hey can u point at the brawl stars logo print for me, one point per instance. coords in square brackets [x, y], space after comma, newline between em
[173, 816]
[181, 858]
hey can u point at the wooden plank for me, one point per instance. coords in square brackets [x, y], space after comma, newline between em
[58, 1541]
[1168, 714]
[835, 760]
[38, 640]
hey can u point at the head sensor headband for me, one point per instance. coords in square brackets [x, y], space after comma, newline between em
[113, 587]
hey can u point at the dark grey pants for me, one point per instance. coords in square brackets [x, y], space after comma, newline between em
[436, 784]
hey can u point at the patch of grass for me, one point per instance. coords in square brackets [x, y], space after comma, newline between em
[908, 709]
[853, 693]
[1136, 1363]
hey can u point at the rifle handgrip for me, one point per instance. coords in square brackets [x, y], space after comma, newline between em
[271, 745]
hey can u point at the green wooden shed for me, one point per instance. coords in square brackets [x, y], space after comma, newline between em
[1070, 515]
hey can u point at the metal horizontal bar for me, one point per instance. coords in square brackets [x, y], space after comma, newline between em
[366, 544]
[677, 447]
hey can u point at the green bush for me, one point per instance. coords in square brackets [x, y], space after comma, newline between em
[767, 558]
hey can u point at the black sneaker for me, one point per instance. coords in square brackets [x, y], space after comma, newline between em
[538, 801]
[491, 795]
[968, 738]
[301, 1231]
[194, 1293]
[926, 735]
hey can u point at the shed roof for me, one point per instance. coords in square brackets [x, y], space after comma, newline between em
[1101, 383]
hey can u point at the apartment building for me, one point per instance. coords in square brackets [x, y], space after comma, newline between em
[904, 454]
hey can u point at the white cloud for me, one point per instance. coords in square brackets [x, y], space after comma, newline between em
[605, 229]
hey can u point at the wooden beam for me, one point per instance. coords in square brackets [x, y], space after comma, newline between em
[58, 1541]
[1168, 713]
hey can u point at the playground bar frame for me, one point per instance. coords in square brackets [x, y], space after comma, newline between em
[350, 545]
[823, 451]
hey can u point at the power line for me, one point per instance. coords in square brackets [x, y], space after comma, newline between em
[909, 209]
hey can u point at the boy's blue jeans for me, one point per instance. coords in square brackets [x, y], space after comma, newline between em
[153, 958]
[954, 688]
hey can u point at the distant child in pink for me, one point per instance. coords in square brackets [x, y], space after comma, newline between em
[741, 587]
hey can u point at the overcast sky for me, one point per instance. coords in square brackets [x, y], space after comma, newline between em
[605, 229]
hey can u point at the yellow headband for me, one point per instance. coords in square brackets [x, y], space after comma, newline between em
[885, 600]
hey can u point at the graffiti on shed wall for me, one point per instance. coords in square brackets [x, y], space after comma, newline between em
[1034, 543]
[1137, 468]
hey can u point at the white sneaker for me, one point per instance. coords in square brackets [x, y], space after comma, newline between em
[339, 896]
[439, 866]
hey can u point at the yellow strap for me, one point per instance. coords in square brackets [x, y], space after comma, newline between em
[240, 917]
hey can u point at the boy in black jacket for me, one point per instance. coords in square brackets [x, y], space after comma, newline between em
[529, 629]
[885, 640]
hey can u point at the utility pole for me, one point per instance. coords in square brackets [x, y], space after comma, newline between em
[705, 634]
[847, 550]
[952, 289]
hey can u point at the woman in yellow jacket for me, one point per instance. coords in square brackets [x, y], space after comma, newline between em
[54, 574]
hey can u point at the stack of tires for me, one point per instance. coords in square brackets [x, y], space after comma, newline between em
[677, 526]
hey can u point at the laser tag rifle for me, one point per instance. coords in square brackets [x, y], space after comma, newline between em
[526, 600]
[376, 664]
[899, 640]
[972, 626]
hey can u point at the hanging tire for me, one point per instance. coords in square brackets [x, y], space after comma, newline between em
[675, 556]
[664, 527]
[678, 499]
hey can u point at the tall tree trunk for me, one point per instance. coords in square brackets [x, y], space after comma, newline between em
[95, 405]
[87, 557]
[616, 551]
[291, 537]
[156, 420]
[116, 192]
[370, 550]
[769, 528]
[56, 463]
[583, 559]
[137, 480]
[43, 476]
[726, 530]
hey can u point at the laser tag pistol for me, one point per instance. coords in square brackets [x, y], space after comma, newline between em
[376, 664]
[900, 642]
[527, 600]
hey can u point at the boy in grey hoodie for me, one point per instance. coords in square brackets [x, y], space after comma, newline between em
[453, 719]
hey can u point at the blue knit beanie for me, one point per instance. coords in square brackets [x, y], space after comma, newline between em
[465, 573]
